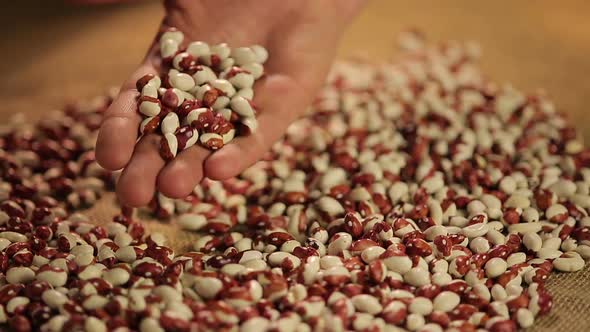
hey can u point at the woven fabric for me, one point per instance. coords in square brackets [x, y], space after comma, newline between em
[571, 308]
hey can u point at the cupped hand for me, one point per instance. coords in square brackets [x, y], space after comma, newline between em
[301, 37]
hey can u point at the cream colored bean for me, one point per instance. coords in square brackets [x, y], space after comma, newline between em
[330, 206]
[54, 278]
[501, 308]
[367, 303]
[53, 298]
[555, 210]
[516, 258]
[584, 251]
[398, 264]
[517, 201]
[208, 287]
[524, 228]
[414, 322]
[282, 258]
[191, 221]
[532, 241]
[16, 302]
[417, 277]
[421, 305]
[341, 241]
[19, 275]
[446, 301]
[475, 230]
[372, 253]
[93, 324]
[547, 253]
[553, 243]
[170, 123]
[525, 318]
[568, 264]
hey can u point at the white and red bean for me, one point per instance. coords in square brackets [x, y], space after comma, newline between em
[200, 77]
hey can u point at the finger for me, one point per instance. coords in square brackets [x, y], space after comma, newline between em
[118, 132]
[137, 183]
[183, 173]
[278, 97]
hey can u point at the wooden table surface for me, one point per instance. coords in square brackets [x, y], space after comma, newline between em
[54, 52]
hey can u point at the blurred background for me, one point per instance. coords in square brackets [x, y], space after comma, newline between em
[54, 51]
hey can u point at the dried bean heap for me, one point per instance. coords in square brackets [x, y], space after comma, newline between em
[204, 94]
[414, 196]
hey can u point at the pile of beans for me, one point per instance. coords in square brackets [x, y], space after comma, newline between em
[203, 95]
[414, 196]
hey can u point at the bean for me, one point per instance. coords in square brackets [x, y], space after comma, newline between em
[255, 324]
[181, 81]
[552, 243]
[479, 245]
[208, 287]
[415, 322]
[446, 301]
[91, 271]
[399, 264]
[53, 298]
[508, 185]
[421, 305]
[19, 275]
[150, 324]
[584, 251]
[568, 264]
[172, 34]
[242, 106]
[170, 123]
[517, 201]
[56, 323]
[516, 258]
[372, 253]
[93, 324]
[94, 302]
[417, 277]
[548, 253]
[168, 48]
[340, 241]
[555, 211]
[330, 206]
[495, 267]
[13, 236]
[475, 230]
[116, 276]
[524, 228]
[284, 259]
[192, 221]
[16, 302]
[500, 308]
[525, 318]
[56, 277]
[367, 303]
[169, 146]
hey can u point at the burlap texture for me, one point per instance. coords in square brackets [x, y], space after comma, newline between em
[571, 291]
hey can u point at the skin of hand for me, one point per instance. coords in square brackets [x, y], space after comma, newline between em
[301, 37]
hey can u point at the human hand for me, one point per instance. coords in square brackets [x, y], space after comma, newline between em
[301, 37]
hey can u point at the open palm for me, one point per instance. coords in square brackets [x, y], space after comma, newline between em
[301, 37]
